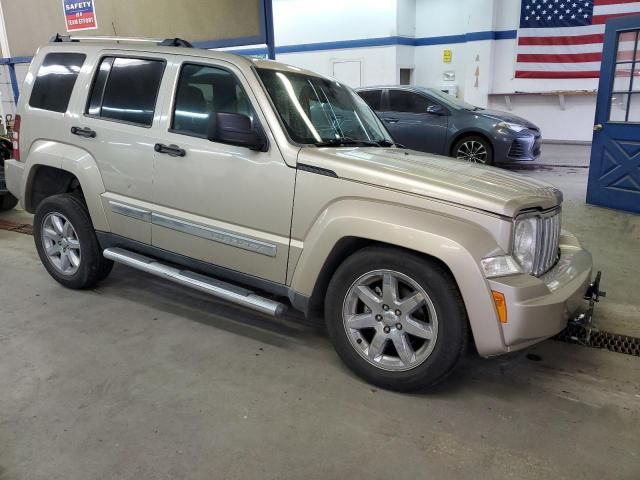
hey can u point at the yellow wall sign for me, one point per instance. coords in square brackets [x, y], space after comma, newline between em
[446, 55]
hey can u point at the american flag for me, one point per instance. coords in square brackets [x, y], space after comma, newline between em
[563, 38]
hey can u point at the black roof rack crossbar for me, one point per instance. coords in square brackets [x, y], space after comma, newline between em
[167, 42]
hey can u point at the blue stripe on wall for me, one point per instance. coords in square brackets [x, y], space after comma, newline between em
[386, 41]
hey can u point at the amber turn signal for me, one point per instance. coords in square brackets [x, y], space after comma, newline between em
[501, 306]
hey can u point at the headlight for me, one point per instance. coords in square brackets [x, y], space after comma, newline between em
[512, 126]
[500, 266]
[525, 242]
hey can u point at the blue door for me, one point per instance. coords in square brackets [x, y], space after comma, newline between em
[614, 174]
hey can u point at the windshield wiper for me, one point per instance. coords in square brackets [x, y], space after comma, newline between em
[387, 143]
[343, 141]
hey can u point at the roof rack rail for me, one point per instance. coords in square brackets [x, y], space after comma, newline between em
[167, 42]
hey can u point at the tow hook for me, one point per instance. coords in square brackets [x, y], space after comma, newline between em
[592, 295]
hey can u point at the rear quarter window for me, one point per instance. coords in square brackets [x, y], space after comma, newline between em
[55, 80]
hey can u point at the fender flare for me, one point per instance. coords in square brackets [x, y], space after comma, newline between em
[77, 162]
[458, 244]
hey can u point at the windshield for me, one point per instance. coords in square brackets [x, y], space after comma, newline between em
[322, 112]
[450, 100]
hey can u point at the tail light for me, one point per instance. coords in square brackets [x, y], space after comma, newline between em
[16, 138]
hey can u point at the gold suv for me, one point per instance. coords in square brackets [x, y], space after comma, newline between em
[274, 187]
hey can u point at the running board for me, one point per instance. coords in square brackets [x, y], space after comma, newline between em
[212, 286]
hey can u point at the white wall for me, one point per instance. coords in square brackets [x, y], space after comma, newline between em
[378, 64]
[311, 21]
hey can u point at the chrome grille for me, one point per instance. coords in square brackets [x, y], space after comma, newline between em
[548, 242]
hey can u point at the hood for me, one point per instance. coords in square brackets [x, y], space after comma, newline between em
[472, 185]
[506, 117]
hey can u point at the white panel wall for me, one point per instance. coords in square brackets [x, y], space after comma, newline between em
[378, 63]
[310, 21]
[299, 22]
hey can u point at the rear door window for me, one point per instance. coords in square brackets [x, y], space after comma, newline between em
[372, 97]
[55, 80]
[408, 102]
[126, 90]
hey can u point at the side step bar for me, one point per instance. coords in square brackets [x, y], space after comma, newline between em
[205, 284]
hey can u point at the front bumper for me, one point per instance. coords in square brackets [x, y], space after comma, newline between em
[539, 308]
[525, 146]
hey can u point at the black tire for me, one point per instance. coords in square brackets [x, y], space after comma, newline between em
[93, 266]
[437, 282]
[7, 202]
[489, 159]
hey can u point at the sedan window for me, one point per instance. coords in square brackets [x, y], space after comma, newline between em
[408, 102]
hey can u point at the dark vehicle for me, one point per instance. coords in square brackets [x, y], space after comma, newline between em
[428, 120]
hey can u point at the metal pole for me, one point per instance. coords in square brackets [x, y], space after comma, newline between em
[14, 82]
[268, 16]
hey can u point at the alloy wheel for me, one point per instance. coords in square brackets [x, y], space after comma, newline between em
[61, 243]
[472, 151]
[390, 320]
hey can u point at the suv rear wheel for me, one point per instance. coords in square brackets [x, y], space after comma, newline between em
[67, 243]
[7, 202]
[396, 318]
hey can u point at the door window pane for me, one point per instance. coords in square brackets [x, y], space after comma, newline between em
[372, 97]
[634, 108]
[55, 80]
[626, 46]
[622, 79]
[130, 92]
[618, 107]
[204, 91]
[401, 101]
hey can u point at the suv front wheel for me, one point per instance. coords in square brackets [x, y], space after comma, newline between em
[396, 318]
[67, 243]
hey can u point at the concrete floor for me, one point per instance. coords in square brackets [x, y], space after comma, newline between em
[141, 379]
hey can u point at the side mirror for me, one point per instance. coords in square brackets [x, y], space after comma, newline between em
[435, 110]
[235, 129]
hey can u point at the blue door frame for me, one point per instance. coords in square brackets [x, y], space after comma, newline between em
[614, 173]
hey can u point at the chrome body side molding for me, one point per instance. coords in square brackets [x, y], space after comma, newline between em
[208, 233]
[215, 235]
[129, 211]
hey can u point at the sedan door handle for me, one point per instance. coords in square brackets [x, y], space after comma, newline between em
[83, 132]
[391, 120]
[597, 127]
[171, 150]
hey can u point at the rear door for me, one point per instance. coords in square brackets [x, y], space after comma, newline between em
[410, 123]
[118, 127]
[222, 204]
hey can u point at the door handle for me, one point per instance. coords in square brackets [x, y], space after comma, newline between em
[598, 127]
[83, 132]
[391, 120]
[171, 150]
